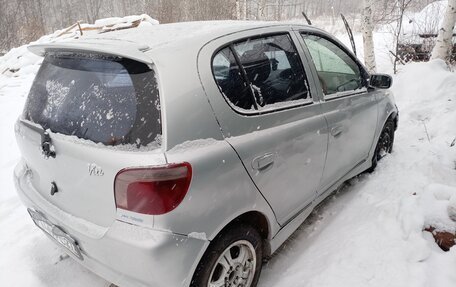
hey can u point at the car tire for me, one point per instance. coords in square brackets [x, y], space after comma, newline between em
[384, 144]
[222, 261]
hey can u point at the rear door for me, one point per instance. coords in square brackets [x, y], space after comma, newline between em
[266, 106]
[86, 117]
[348, 106]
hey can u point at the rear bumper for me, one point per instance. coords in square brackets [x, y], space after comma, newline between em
[124, 254]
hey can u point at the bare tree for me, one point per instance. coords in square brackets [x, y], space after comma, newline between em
[92, 8]
[261, 4]
[244, 9]
[238, 9]
[402, 7]
[444, 43]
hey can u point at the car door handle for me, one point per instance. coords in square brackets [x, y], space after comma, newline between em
[336, 131]
[262, 162]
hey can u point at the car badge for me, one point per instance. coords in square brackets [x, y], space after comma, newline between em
[95, 170]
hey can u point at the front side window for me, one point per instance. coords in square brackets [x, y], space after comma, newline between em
[337, 71]
[261, 73]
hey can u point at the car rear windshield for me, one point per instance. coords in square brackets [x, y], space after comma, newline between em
[109, 100]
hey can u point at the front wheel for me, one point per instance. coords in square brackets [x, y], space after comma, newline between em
[384, 144]
[233, 259]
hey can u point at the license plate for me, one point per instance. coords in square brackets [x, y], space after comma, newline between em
[60, 236]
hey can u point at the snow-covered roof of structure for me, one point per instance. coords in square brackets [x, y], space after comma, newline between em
[425, 23]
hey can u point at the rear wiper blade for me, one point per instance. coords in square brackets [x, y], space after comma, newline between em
[46, 142]
[46, 145]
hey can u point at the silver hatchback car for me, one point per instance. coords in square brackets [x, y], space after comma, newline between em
[185, 154]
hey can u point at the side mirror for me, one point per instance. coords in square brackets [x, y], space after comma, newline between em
[380, 81]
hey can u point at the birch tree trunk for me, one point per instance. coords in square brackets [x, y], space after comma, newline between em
[244, 10]
[238, 10]
[368, 39]
[444, 43]
[261, 7]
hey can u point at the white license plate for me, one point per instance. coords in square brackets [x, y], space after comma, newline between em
[55, 232]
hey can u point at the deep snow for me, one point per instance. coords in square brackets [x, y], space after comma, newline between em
[369, 233]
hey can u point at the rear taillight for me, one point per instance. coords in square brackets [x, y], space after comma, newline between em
[154, 190]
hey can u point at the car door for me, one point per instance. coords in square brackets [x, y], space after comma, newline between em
[270, 114]
[348, 106]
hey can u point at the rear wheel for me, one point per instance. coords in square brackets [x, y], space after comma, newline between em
[233, 259]
[384, 144]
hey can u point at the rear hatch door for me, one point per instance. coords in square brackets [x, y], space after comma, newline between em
[87, 116]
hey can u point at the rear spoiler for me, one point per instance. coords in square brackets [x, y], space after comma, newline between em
[120, 48]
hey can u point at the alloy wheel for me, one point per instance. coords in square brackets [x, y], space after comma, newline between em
[235, 267]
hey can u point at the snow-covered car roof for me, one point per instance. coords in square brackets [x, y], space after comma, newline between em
[133, 43]
[156, 36]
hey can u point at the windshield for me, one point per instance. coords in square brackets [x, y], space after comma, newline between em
[104, 99]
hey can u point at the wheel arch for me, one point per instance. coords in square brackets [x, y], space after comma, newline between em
[257, 220]
[395, 117]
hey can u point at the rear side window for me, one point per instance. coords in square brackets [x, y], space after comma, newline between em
[337, 71]
[268, 70]
[107, 100]
[229, 78]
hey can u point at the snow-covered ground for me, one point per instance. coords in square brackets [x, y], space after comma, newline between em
[368, 234]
